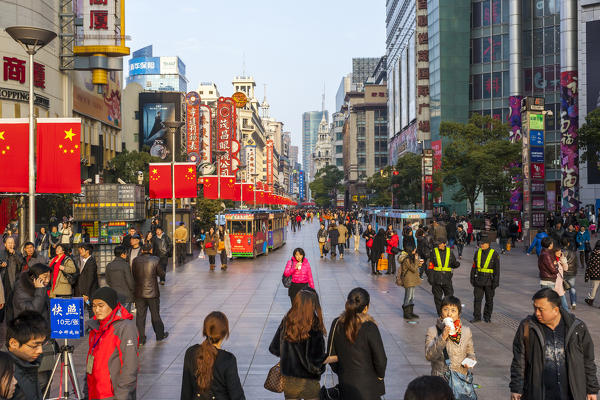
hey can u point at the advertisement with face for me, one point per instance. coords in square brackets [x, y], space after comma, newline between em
[155, 109]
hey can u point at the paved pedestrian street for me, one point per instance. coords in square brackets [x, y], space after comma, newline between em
[252, 296]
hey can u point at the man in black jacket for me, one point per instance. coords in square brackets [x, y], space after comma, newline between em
[161, 248]
[485, 278]
[553, 354]
[118, 276]
[87, 283]
[146, 269]
[439, 273]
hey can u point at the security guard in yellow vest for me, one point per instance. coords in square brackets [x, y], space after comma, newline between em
[439, 273]
[485, 278]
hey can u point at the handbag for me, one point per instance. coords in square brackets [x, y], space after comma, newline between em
[208, 245]
[370, 243]
[275, 379]
[395, 250]
[461, 384]
[382, 263]
[287, 281]
[332, 393]
[322, 239]
[221, 245]
[566, 285]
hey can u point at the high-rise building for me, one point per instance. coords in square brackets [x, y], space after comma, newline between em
[310, 127]
[337, 135]
[341, 92]
[157, 73]
[293, 156]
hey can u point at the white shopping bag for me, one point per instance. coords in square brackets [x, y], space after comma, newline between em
[201, 255]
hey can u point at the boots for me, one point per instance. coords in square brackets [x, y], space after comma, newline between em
[223, 267]
[212, 267]
[412, 314]
[406, 312]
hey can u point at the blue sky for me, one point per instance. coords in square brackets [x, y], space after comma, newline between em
[292, 46]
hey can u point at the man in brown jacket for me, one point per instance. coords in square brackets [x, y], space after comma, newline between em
[547, 264]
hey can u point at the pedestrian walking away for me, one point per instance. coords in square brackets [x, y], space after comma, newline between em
[553, 354]
[334, 237]
[298, 268]
[209, 372]
[485, 278]
[583, 245]
[342, 238]
[439, 273]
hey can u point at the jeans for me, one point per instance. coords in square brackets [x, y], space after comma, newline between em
[409, 296]
[142, 306]
[583, 258]
[572, 293]
[391, 263]
[460, 247]
[181, 250]
[593, 290]
[503, 243]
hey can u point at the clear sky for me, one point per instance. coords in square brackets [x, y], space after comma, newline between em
[294, 47]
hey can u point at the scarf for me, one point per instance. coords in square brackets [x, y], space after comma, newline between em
[458, 328]
[55, 266]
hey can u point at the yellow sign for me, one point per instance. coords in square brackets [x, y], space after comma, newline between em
[240, 99]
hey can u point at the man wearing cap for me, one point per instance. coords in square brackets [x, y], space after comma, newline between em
[134, 248]
[485, 278]
[181, 238]
[112, 359]
[439, 273]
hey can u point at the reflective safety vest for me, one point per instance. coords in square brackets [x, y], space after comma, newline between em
[445, 267]
[487, 262]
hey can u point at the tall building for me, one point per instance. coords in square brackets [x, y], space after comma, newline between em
[337, 135]
[310, 127]
[293, 155]
[323, 154]
[344, 88]
[157, 73]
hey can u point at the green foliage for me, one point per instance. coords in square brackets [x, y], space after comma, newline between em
[326, 185]
[589, 137]
[407, 184]
[206, 209]
[126, 165]
[380, 185]
[58, 205]
[478, 158]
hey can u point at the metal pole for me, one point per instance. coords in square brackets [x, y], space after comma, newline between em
[31, 194]
[173, 196]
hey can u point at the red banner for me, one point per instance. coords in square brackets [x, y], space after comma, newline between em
[14, 153]
[186, 185]
[206, 138]
[270, 163]
[58, 155]
[213, 191]
[225, 134]
[160, 180]
[192, 119]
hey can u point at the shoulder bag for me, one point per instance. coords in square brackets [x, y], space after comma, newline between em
[461, 385]
[286, 280]
[382, 263]
[333, 393]
[275, 379]
[74, 277]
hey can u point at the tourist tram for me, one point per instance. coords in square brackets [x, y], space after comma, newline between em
[381, 218]
[254, 232]
[276, 229]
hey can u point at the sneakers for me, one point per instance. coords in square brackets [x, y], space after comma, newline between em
[573, 306]
[589, 302]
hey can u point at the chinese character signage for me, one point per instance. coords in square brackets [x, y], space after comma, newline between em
[13, 69]
[537, 170]
[251, 157]
[192, 102]
[144, 66]
[66, 318]
[270, 163]
[301, 184]
[225, 134]
[206, 134]
[422, 50]
[536, 138]
[99, 22]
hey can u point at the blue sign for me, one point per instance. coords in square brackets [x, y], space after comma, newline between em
[220, 220]
[537, 154]
[144, 66]
[301, 184]
[291, 191]
[66, 318]
[536, 138]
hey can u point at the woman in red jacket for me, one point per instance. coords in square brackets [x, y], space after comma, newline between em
[112, 360]
[392, 241]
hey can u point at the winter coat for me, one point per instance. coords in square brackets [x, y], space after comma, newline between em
[10, 273]
[369, 233]
[214, 240]
[87, 283]
[562, 265]
[537, 243]
[592, 272]
[303, 275]
[43, 241]
[113, 343]
[547, 265]
[392, 242]
[361, 365]
[582, 239]
[62, 286]
[571, 236]
[225, 384]
[334, 236]
[302, 359]
[571, 257]
[118, 276]
[424, 247]
[162, 246]
[322, 234]
[26, 374]
[343, 233]
[379, 245]
[441, 277]
[145, 271]
[479, 278]
[457, 352]
[557, 235]
[526, 370]
[409, 270]
[503, 232]
[461, 237]
[29, 298]
[34, 259]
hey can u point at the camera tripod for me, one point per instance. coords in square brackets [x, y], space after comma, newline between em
[68, 372]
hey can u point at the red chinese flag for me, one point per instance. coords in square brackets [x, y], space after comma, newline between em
[160, 181]
[213, 191]
[237, 192]
[248, 192]
[209, 186]
[58, 155]
[14, 153]
[186, 185]
[228, 187]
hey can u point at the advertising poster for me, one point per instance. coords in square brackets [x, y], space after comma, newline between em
[105, 107]
[537, 138]
[156, 108]
[593, 84]
[436, 146]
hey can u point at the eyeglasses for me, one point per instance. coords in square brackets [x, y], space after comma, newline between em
[35, 346]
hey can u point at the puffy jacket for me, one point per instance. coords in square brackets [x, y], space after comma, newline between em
[440, 277]
[145, 271]
[526, 370]
[113, 343]
[304, 275]
[537, 243]
[26, 374]
[392, 242]
[334, 236]
[582, 239]
[547, 266]
[479, 278]
[409, 270]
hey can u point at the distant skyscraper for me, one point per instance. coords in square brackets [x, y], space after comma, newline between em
[293, 156]
[310, 127]
[157, 73]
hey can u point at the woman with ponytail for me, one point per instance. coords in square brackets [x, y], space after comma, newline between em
[356, 342]
[210, 373]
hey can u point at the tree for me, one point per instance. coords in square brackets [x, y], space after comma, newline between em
[326, 185]
[479, 156]
[127, 164]
[588, 137]
[380, 185]
[206, 209]
[407, 181]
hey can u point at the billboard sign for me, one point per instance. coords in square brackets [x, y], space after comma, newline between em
[537, 170]
[537, 154]
[156, 108]
[301, 184]
[104, 107]
[192, 102]
[269, 151]
[536, 138]
[169, 65]
[99, 22]
[225, 132]
[66, 318]
[422, 58]
[144, 66]
[206, 136]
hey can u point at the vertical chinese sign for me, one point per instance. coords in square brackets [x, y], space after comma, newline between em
[251, 158]
[569, 153]
[514, 120]
[206, 135]
[270, 163]
[422, 49]
[99, 17]
[301, 185]
[225, 132]
[192, 119]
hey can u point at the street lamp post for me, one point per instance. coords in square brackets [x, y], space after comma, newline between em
[32, 40]
[240, 169]
[219, 153]
[254, 188]
[173, 126]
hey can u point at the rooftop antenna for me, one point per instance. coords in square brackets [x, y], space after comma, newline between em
[265, 106]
